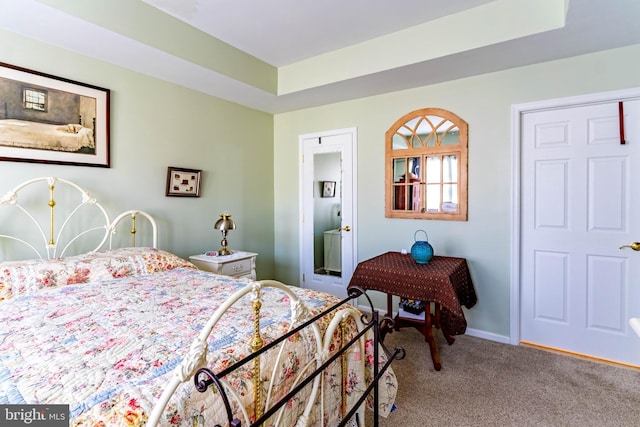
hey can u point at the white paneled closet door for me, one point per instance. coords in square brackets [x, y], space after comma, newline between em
[580, 203]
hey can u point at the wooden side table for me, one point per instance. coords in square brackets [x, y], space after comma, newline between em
[429, 319]
[238, 264]
[445, 283]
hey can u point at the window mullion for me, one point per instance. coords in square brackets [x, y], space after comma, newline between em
[435, 174]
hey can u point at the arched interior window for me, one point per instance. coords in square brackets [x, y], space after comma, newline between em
[426, 166]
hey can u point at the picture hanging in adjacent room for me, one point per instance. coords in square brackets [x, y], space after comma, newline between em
[328, 189]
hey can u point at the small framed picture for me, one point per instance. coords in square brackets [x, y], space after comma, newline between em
[183, 182]
[328, 189]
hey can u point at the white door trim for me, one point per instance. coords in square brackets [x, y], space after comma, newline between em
[354, 161]
[517, 110]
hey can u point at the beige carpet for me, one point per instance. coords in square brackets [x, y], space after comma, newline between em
[484, 383]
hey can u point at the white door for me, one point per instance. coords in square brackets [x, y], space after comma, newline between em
[327, 234]
[580, 203]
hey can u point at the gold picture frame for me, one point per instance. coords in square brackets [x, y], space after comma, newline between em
[183, 182]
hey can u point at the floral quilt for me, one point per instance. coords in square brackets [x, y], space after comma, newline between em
[23, 277]
[107, 347]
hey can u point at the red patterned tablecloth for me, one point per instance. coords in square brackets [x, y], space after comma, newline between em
[444, 280]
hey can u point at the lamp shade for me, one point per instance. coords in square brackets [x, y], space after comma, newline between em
[225, 223]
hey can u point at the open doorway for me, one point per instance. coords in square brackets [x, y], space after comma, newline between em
[327, 247]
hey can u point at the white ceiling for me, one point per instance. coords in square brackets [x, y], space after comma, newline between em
[290, 34]
[281, 32]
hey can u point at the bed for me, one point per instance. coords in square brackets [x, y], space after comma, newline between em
[136, 335]
[70, 137]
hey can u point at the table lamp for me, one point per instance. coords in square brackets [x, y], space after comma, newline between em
[224, 224]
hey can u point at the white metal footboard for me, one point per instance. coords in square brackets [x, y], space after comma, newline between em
[196, 356]
[192, 365]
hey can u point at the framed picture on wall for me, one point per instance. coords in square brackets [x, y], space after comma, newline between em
[183, 182]
[48, 119]
[328, 188]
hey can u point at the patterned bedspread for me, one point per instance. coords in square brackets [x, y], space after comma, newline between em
[107, 347]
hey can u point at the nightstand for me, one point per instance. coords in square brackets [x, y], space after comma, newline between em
[238, 264]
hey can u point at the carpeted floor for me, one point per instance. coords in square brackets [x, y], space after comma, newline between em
[484, 383]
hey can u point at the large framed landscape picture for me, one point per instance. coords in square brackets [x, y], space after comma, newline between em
[48, 119]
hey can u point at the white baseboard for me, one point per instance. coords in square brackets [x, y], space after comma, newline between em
[478, 333]
[488, 336]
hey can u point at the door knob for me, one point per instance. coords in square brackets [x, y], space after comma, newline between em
[635, 246]
[347, 228]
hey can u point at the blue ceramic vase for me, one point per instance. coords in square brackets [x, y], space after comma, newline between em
[421, 250]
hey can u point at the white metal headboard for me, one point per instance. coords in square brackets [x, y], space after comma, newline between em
[132, 215]
[50, 234]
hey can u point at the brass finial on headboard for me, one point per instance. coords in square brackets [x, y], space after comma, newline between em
[133, 229]
[52, 204]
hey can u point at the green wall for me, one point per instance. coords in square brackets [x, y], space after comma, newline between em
[485, 103]
[154, 125]
[251, 161]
